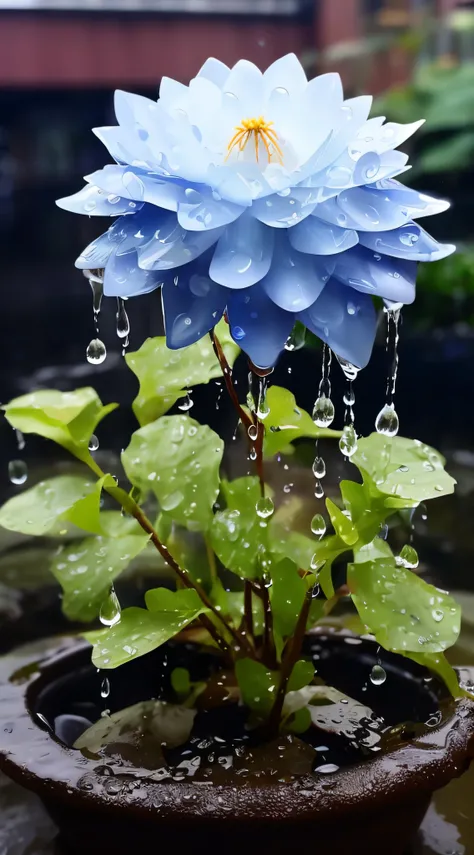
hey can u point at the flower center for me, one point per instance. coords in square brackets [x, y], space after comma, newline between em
[261, 132]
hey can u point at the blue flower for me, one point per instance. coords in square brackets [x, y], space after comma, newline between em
[262, 195]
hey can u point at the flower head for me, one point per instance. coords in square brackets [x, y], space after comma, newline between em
[261, 195]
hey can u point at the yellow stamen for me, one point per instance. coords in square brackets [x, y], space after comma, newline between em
[261, 131]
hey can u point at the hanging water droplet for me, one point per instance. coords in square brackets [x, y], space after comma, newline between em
[265, 507]
[186, 404]
[318, 526]
[17, 471]
[123, 323]
[324, 412]
[110, 610]
[316, 563]
[349, 397]
[383, 533]
[387, 421]
[96, 352]
[105, 688]
[263, 409]
[408, 558]
[97, 285]
[319, 468]
[93, 443]
[318, 490]
[297, 338]
[253, 454]
[348, 441]
[253, 432]
[20, 439]
[350, 371]
[378, 675]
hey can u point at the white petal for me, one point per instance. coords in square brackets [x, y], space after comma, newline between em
[285, 74]
[214, 70]
[245, 83]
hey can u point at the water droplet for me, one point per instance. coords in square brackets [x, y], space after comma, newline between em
[327, 769]
[318, 526]
[93, 443]
[105, 688]
[186, 404]
[349, 397]
[316, 563]
[20, 439]
[324, 412]
[403, 469]
[265, 507]
[96, 352]
[318, 490]
[408, 558]
[438, 615]
[348, 441]
[263, 409]
[17, 471]
[123, 323]
[319, 468]
[297, 338]
[378, 675]
[110, 610]
[387, 421]
[252, 432]
[253, 454]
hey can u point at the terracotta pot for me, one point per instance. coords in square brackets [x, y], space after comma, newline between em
[372, 806]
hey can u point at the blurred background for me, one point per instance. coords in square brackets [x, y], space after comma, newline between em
[60, 61]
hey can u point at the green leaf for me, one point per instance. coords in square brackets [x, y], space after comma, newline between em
[257, 685]
[287, 422]
[188, 549]
[404, 470]
[165, 375]
[438, 664]
[287, 595]
[68, 418]
[178, 459]
[342, 525]
[301, 676]
[167, 724]
[457, 151]
[36, 511]
[403, 612]
[237, 536]
[141, 631]
[164, 600]
[368, 510]
[236, 609]
[86, 570]
[86, 514]
[180, 681]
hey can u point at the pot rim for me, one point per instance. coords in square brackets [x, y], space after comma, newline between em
[34, 758]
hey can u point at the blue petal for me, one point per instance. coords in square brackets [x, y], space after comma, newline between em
[346, 321]
[285, 209]
[382, 206]
[243, 254]
[258, 326]
[96, 255]
[172, 246]
[124, 278]
[215, 71]
[94, 202]
[295, 280]
[376, 274]
[202, 209]
[409, 241]
[192, 304]
[136, 184]
[320, 238]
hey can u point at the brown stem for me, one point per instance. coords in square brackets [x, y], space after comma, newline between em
[248, 607]
[290, 658]
[227, 372]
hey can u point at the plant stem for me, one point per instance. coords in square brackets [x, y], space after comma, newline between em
[129, 505]
[211, 559]
[227, 373]
[290, 658]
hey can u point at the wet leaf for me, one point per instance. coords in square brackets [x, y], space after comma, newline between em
[287, 595]
[404, 613]
[169, 724]
[236, 609]
[189, 550]
[342, 525]
[36, 511]
[301, 676]
[165, 375]
[287, 422]
[405, 471]
[438, 663]
[141, 630]
[86, 570]
[179, 460]
[86, 513]
[68, 418]
[257, 684]
[180, 681]
[237, 535]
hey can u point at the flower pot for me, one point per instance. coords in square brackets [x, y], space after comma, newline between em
[104, 803]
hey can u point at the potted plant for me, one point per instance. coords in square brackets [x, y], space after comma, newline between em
[260, 204]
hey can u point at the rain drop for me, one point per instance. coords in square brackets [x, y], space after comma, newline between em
[93, 443]
[324, 412]
[348, 441]
[319, 468]
[17, 471]
[110, 611]
[263, 410]
[105, 688]
[438, 615]
[96, 352]
[20, 439]
[297, 338]
[378, 675]
[253, 432]
[123, 323]
[387, 421]
[186, 404]
[318, 490]
[408, 558]
[318, 526]
[265, 507]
